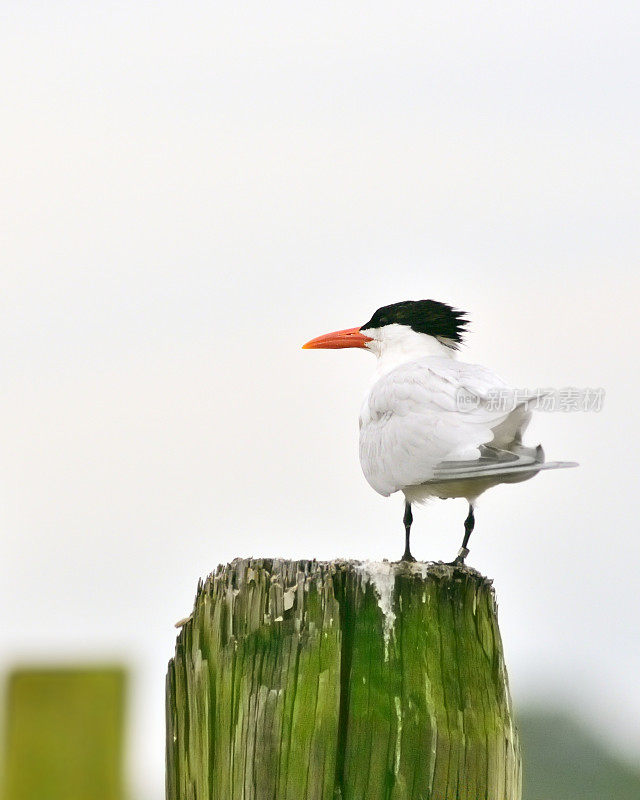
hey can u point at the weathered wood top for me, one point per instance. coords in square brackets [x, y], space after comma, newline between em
[325, 680]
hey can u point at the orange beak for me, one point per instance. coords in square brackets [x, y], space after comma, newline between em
[351, 337]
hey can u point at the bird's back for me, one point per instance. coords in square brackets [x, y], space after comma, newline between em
[433, 410]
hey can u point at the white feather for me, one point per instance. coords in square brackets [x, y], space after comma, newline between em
[412, 419]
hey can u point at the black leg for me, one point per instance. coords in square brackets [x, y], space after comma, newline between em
[407, 519]
[469, 522]
[468, 528]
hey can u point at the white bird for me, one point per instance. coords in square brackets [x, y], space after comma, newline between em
[432, 426]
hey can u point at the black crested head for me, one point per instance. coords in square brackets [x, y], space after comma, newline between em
[423, 316]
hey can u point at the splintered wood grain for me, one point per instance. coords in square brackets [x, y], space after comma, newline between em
[341, 681]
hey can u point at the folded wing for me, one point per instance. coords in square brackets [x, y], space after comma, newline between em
[437, 410]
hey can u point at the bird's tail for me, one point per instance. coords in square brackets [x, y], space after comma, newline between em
[497, 462]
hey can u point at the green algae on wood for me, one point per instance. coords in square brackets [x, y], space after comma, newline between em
[306, 680]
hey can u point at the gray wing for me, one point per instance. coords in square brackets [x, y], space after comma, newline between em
[494, 462]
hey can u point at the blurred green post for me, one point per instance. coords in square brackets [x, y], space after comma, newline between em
[304, 680]
[64, 734]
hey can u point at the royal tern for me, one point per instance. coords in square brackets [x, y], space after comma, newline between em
[432, 426]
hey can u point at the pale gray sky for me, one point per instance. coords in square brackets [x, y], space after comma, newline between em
[190, 192]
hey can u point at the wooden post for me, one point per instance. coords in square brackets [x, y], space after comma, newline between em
[64, 734]
[341, 681]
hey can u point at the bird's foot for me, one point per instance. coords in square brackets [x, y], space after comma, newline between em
[407, 557]
[458, 561]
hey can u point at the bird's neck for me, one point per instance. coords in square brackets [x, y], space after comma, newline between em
[396, 350]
